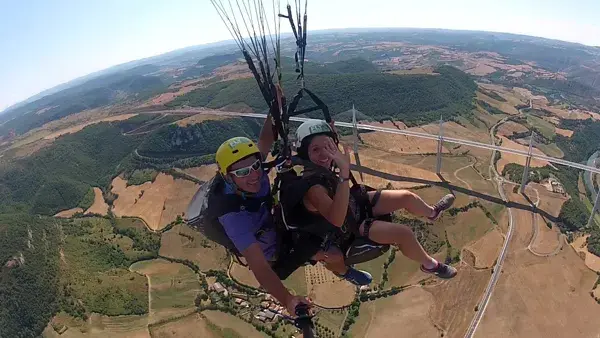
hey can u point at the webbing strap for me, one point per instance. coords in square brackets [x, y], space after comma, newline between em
[319, 105]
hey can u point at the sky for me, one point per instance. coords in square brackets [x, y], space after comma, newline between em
[44, 43]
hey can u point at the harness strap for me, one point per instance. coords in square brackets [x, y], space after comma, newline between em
[375, 199]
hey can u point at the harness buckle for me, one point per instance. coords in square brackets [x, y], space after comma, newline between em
[283, 166]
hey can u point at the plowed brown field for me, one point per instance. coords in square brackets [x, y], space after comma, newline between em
[540, 296]
[158, 203]
[99, 207]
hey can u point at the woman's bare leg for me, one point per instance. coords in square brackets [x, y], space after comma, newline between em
[392, 200]
[402, 236]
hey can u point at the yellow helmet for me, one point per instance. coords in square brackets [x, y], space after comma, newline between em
[234, 150]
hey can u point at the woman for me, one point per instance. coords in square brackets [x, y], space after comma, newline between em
[335, 204]
[251, 227]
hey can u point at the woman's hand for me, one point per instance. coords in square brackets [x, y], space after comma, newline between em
[342, 160]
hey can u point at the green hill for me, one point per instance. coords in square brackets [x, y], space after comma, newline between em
[95, 93]
[29, 290]
[58, 177]
[198, 139]
[414, 99]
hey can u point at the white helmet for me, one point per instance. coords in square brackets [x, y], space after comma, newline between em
[310, 128]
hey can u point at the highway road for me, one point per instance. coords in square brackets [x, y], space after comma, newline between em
[487, 295]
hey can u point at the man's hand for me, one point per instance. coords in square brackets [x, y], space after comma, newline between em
[293, 301]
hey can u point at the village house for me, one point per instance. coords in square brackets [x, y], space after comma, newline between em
[218, 288]
[270, 315]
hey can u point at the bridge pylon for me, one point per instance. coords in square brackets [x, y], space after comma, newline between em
[594, 209]
[525, 177]
[438, 166]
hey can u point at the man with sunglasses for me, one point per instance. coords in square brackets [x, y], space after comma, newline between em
[252, 230]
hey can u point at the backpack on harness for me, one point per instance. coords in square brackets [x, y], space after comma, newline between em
[204, 211]
[210, 202]
[292, 187]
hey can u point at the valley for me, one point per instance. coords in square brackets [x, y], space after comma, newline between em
[93, 202]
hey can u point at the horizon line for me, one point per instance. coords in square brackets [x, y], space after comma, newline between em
[286, 35]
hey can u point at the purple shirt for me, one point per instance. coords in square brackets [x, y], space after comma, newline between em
[245, 228]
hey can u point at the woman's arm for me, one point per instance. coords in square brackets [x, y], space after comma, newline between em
[334, 210]
[317, 197]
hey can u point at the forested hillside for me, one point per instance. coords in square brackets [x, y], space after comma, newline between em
[29, 287]
[198, 139]
[414, 99]
[584, 142]
[58, 177]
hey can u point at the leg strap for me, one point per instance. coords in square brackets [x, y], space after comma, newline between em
[367, 226]
[376, 198]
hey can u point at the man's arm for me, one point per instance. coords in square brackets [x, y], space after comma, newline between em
[265, 275]
[267, 137]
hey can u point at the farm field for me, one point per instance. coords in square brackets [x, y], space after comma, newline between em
[326, 289]
[547, 239]
[580, 246]
[79, 127]
[227, 323]
[172, 288]
[509, 128]
[192, 326]
[98, 326]
[182, 242]
[68, 213]
[484, 251]
[530, 285]
[158, 203]
[408, 310]
[296, 282]
[243, 275]
[395, 170]
[512, 158]
[203, 173]
[99, 207]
